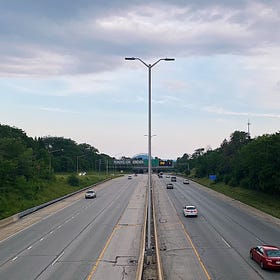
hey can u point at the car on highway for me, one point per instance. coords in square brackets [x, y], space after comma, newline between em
[173, 179]
[169, 186]
[190, 211]
[129, 177]
[267, 256]
[167, 176]
[90, 194]
[186, 181]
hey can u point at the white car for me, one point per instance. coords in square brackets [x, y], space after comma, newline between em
[90, 194]
[186, 181]
[190, 211]
[129, 177]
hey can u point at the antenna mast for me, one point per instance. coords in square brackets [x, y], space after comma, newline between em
[248, 132]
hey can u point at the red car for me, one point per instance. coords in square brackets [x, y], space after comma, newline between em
[267, 256]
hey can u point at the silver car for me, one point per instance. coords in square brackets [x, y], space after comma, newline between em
[90, 194]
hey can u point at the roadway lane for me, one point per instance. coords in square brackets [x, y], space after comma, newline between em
[224, 231]
[67, 244]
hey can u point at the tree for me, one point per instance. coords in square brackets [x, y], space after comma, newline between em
[242, 161]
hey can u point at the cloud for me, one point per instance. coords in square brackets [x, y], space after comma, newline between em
[221, 111]
[41, 40]
[57, 110]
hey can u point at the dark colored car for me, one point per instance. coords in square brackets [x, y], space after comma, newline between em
[169, 186]
[90, 194]
[173, 179]
[267, 256]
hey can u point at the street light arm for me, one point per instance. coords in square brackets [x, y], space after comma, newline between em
[166, 59]
[58, 150]
[137, 58]
[149, 65]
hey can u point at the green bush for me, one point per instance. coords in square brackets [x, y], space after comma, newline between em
[73, 180]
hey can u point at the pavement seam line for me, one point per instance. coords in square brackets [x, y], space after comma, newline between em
[189, 238]
[195, 251]
[117, 226]
[159, 262]
[101, 254]
[139, 270]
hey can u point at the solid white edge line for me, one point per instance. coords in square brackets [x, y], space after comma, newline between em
[226, 242]
[53, 263]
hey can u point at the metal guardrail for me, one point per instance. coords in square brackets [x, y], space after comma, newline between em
[16, 217]
[151, 268]
[9, 220]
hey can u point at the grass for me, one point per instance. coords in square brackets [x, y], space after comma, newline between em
[265, 202]
[37, 193]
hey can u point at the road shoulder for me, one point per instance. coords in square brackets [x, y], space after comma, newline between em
[179, 257]
[119, 258]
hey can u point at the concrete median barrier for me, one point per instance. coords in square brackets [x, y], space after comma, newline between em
[9, 220]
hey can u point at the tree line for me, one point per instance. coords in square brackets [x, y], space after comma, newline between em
[27, 163]
[239, 161]
[24, 159]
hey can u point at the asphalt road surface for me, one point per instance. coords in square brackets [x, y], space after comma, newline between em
[224, 231]
[66, 244]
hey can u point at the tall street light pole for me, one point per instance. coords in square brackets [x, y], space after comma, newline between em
[149, 66]
[50, 152]
[77, 167]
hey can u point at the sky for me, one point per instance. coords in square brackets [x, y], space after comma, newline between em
[63, 72]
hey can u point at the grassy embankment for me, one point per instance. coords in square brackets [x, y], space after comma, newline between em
[41, 192]
[265, 202]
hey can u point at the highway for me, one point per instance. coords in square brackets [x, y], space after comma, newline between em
[66, 244]
[223, 232]
[83, 239]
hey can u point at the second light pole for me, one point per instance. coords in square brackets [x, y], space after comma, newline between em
[149, 66]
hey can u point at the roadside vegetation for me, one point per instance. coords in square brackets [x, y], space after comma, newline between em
[29, 169]
[40, 192]
[267, 203]
[242, 168]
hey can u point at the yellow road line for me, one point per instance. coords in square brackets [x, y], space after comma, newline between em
[189, 238]
[117, 226]
[159, 263]
[197, 255]
[140, 266]
[101, 254]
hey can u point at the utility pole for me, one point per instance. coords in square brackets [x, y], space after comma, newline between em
[248, 132]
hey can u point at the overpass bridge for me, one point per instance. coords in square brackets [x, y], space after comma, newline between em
[140, 165]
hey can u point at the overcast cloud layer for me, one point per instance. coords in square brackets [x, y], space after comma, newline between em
[63, 72]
